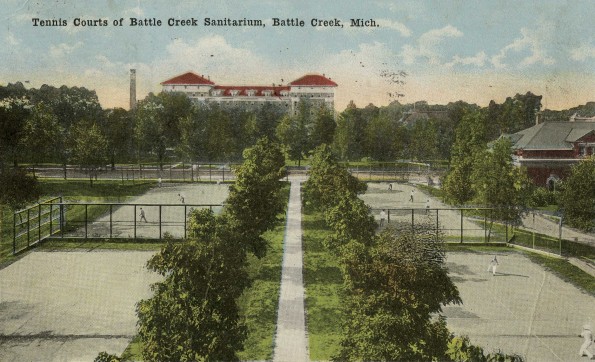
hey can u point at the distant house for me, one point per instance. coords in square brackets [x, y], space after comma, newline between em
[317, 89]
[548, 150]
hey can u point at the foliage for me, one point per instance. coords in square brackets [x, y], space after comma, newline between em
[13, 113]
[395, 288]
[89, 148]
[193, 314]
[17, 188]
[497, 183]
[255, 198]
[106, 357]
[118, 129]
[541, 197]
[470, 140]
[327, 178]
[577, 199]
[460, 349]
[42, 135]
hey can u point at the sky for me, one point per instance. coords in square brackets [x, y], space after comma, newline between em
[475, 51]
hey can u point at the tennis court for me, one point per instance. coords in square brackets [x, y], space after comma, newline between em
[523, 309]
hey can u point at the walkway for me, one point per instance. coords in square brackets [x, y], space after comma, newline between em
[291, 341]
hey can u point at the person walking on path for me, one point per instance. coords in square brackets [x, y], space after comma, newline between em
[493, 265]
[181, 198]
[159, 182]
[588, 336]
[382, 218]
[390, 187]
[142, 215]
[411, 195]
[427, 206]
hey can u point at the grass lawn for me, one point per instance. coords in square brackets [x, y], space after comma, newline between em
[323, 283]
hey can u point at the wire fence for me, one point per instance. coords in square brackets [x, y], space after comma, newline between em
[170, 172]
[102, 221]
[462, 225]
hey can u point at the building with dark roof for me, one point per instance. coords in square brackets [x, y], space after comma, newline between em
[548, 150]
[317, 89]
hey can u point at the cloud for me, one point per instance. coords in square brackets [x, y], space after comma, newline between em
[530, 41]
[395, 25]
[63, 49]
[582, 53]
[478, 60]
[427, 45]
[11, 39]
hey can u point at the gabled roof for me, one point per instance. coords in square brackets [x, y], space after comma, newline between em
[313, 80]
[551, 135]
[187, 79]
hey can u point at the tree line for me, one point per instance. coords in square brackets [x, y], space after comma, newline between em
[395, 281]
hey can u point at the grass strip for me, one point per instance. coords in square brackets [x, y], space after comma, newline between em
[323, 285]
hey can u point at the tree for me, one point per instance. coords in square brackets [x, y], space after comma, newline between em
[17, 189]
[292, 132]
[43, 135]
[193, 315]
[254, 200]
[323, 127]
[395, 289]
[14, 112]
[89, 148]
[497, 183]
[119, 132]
[577, 199]
[470, 139]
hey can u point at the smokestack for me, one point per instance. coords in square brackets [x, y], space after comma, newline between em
[132, 89]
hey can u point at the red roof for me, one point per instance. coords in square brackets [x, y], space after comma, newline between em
[188, 78]
[313, 80]
[258, 88]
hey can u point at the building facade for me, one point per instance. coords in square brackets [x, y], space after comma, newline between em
[549, 149]
[317, 89]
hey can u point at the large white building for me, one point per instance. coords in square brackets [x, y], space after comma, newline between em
[317, 89]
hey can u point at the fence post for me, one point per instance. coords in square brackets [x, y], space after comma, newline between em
[183, 172]
[134, 221]
[39, 223]
[28, 226]
[110, 220]
[461, 226]
[437, 225]
[192, 172]
[223, 170]
[388, 216]
[210, 172]
[560, 235]
[160, 221]
[51, 219]
[86, 218]
[412, 223]
[14, 233]
[485, 224]
[185, 221]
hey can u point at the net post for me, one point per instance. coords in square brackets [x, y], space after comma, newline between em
[437, 225]
[51, 219]
[185, 222]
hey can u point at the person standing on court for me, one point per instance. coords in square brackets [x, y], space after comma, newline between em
[588, 336]
[142, 215]
[411, 195]
[427, 206]
[382, 217]
[493, 265]
[159, 182]
[181, 198]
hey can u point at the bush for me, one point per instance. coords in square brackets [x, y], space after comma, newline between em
[543, 197]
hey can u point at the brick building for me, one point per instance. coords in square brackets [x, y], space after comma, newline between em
[317, 89]
[548, 150]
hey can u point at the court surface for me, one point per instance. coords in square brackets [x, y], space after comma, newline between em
[523, 309]
[69, 306]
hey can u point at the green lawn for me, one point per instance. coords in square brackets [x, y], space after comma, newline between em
[323, 283]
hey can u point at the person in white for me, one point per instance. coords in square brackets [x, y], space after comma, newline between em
[588, 336]
[411, 195]
[159, 181]
[493, 265]
[427, 206]
[382, 217]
